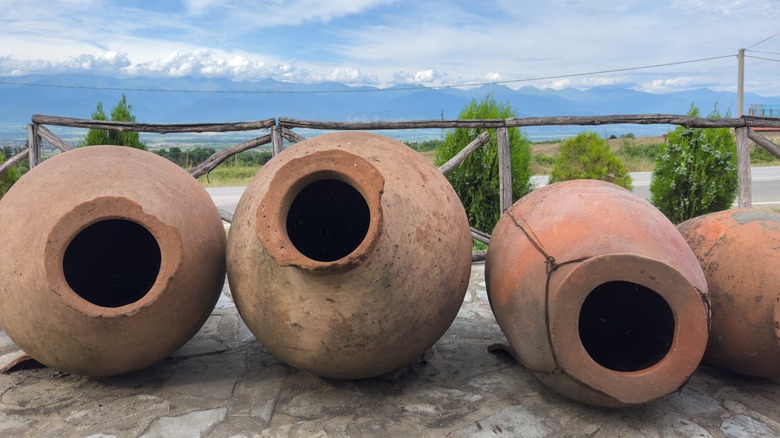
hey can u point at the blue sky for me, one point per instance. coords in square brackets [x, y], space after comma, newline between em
[545, 44]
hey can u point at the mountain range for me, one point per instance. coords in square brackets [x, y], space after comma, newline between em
[191, 100]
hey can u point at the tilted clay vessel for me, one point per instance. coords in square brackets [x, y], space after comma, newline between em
[112, 258]
[738, 251]
[597, 293]
[349, 255]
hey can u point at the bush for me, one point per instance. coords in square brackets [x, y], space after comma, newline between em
[639, 151]
[476, 179]
[587, 156]
[7, 178]
[544, 160]
[759, 156]
[695, 172]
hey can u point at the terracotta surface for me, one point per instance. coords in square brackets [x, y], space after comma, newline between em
[738, 250]
[349, 255]
[112, 259]
[624, 317]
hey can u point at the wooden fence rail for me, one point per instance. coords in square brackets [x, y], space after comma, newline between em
[282, 129]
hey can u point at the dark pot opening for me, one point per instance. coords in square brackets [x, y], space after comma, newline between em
[328, 220]
[112, 263]
[625, 326]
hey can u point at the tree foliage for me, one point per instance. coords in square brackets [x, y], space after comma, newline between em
[7, 178]
[476, 179]
[695, 172]
[122, 112]
[587, 156]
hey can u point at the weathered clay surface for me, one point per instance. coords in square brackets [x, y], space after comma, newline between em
[349, 255]
[112, 259]
[738, 250]
[622, 317]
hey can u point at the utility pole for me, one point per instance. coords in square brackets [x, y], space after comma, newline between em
[741, 82]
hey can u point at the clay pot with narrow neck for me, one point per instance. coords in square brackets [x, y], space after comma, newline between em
[349, 255]
[112, 258]
[597, 293]
[738, 251]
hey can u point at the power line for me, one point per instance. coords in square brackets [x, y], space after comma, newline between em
[762, 58]
[764, 40]
[372, 90]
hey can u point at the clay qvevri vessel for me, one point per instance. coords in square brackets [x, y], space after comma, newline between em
[349, 255]
[113, 258]
[738, 250]
[622, 317]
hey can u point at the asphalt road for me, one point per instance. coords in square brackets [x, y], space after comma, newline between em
[766, 188]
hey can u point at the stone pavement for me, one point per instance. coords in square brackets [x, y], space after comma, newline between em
[223, 383]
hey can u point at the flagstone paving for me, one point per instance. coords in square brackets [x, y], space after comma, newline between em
[223, 383]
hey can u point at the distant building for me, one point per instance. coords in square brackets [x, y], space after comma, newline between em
[761, 110]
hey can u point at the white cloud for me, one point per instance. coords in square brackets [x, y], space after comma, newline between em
[386, 42]
[668, 85]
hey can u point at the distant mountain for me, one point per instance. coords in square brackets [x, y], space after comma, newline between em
[190, 100]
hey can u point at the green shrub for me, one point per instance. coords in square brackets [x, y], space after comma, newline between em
[587, 156]
[544, 160]
[639, 151]
[476, 179]
[759, 156]
[696, 171]
[7, 178]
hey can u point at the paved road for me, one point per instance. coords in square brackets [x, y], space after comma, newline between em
[766, 188]
[766, 185]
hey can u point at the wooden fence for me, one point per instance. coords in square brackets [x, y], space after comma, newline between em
[282, 129]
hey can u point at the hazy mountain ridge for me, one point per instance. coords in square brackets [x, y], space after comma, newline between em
[222, 100]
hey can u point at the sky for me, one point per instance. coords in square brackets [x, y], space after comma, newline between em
[686, 44]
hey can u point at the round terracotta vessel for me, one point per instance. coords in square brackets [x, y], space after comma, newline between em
[597, 293]
[349, 255]
[113, 258]
[738, 252]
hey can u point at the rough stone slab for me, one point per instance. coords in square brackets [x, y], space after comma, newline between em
[193, 424]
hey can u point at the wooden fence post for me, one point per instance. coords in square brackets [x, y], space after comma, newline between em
[34, 142]
[504, 168]
[743, 167]
[276, 140]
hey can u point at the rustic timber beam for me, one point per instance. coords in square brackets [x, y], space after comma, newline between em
[464, 153]
[52, 138]
[292, 137]
[225, 215]
[16, 159]
[638, 119]
[504, 169]
[277, 142]
[764, 143]
[480, 235]
[215, 160]
[762, 122]
[155, 128]
[34, 141]
[379, 125]
[743, 168]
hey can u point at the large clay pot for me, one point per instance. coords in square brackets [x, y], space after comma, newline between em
[597, 293]
[349, 255]
[738, 251]
[112, 258]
